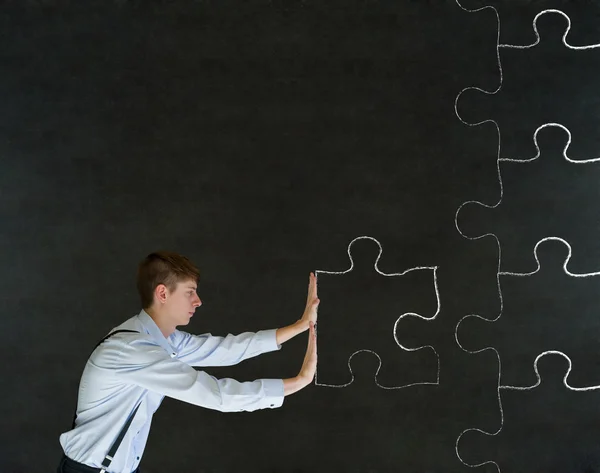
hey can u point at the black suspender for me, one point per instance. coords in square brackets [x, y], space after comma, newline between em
[113, 449]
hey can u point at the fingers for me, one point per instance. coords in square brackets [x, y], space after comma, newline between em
[312, 288]
[312, 301]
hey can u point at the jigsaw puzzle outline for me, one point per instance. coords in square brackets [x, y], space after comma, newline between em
[499, 272]
[407, 314]
[499, 171]
[515, 388]
[512, 46]
[501, 296]
[534, 23]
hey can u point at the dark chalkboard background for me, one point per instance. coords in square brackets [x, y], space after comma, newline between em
[259, 138]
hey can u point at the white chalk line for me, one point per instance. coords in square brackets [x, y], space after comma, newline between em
[499, 158]
[487, 92]
[501, 296]
[535, 363]
[501, 182]
[512, 46]
[517, 388]
[564, 151]
[564, 266]
[537, 34]
[408, 314]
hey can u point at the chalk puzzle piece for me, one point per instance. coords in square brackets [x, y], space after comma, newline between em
[547, 309]
[547, 195]
[549, 426]
[359, 311]
[537, 87]
[516, 18]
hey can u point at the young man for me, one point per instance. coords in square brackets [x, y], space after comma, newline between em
[129, 373]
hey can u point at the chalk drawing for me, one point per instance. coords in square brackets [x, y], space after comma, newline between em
[375, 265]
[499, 272]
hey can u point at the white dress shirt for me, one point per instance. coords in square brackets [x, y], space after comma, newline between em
[146, 366]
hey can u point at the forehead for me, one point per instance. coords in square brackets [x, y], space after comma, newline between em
[190, 284]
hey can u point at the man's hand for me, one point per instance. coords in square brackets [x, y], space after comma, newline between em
[312, 303]
[310, 314]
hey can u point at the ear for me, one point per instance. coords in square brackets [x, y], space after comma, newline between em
[161, 293]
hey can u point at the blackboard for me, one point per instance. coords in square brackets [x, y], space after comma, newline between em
[267, 139]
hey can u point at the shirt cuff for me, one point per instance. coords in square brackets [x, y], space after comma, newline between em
[269, 340]
[274, 396]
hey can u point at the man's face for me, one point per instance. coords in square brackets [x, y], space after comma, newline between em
[183, 302]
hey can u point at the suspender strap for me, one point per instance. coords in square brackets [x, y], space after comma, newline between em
[111, 334]
[117, 442]
[97, 345]
[113, 449]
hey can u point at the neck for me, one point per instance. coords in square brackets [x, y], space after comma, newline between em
[161, 321]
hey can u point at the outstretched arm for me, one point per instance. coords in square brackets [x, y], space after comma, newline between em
[210, 350]
[285, 333]
[309, 366]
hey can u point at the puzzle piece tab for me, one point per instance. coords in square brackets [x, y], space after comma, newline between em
[358, 313]
[537, 86]
[548, 309]
[547, 427]
[548, 195]
[516, 18]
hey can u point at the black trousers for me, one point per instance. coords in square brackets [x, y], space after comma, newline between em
[71, 466]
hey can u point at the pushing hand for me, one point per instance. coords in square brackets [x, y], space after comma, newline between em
[312, 302]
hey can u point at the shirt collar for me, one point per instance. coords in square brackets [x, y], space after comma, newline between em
[152, 329]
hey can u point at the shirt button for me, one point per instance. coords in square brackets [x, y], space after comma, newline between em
[138, 458]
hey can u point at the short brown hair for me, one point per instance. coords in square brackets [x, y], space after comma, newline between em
[163, 267]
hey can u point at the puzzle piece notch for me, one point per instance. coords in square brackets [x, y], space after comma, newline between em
[517, 18]
[541, 196]
[413, 331]
[364, 254]
[364, 366]
[551, 254]
[547, 309]
[569, 419]
[370, 303]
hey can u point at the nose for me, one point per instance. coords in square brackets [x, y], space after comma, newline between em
[199, 303]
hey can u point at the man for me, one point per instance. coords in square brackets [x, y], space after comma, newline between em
[146, 358]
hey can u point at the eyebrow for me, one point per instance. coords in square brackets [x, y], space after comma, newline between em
[192, 287]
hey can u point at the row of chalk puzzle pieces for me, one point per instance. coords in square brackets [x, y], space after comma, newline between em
[521, 173]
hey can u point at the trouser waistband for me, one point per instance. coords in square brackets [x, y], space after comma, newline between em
[68, 465]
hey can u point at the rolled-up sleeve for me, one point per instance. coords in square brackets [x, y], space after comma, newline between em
[150, 366]
[211, 350]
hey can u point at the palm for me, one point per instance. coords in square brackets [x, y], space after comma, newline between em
[312, 300]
